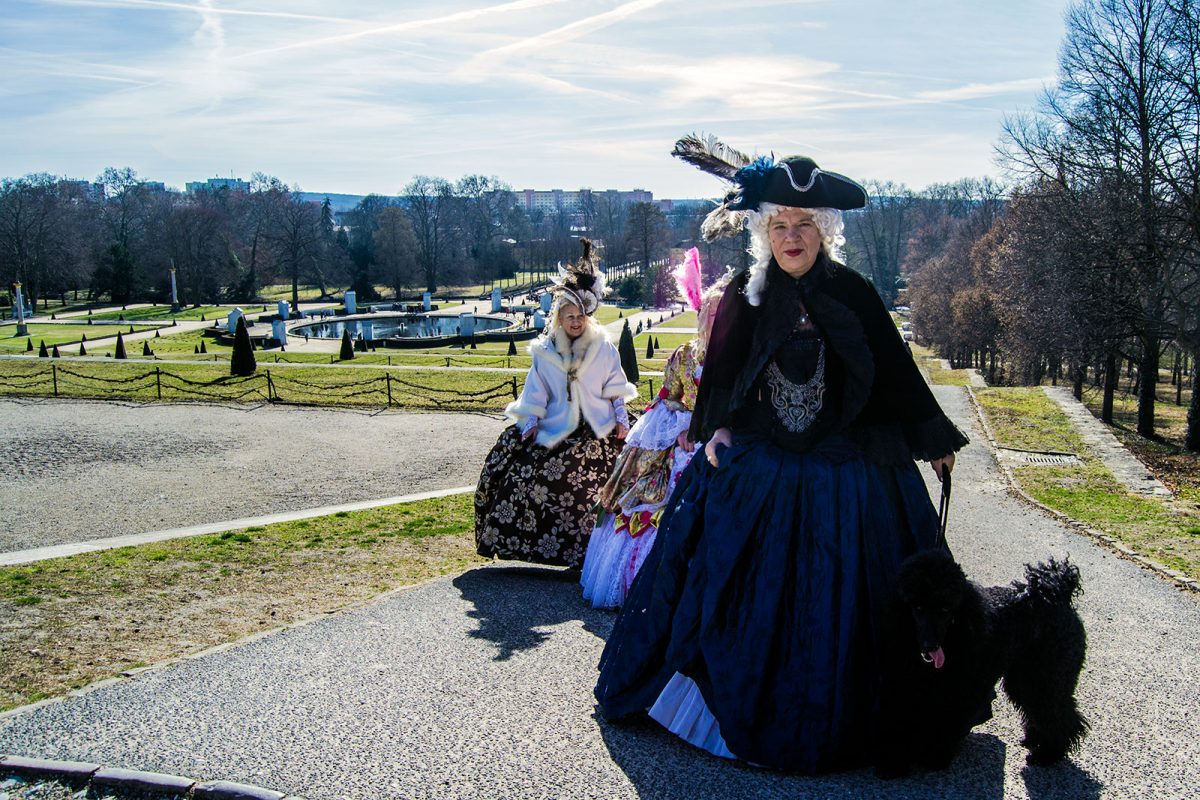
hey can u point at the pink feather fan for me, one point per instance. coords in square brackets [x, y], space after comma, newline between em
[688, 278]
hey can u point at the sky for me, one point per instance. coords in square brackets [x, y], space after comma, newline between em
[360, 96]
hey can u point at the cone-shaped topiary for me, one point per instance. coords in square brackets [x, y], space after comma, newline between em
[203, 348]
[53, 317]
[512, 346]
[146, 351]
[89, 312]
[649, 347]
[196, 350]
[628, 354]
[55, 353]
[120, 317]
[347, 352]
[84, 339]
[120, 351]
[202, 319]
[82, 351]
[89, 319]
[156, 336]
[29, 345]
[242, 361]
[657, 346]
[131, 329]
[42, 351]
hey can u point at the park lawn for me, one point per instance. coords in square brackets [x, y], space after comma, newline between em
[142, 380]
[1025, 418]
[186, 314]
[609, 313]
[67, 622]
[931, 363]
[667, 342]
[685, 320]
[53, 333]
[283, 291]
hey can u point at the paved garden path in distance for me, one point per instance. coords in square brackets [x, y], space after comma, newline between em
[76, 470]
[479, 686]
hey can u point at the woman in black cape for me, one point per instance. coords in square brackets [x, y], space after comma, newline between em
[751, 630]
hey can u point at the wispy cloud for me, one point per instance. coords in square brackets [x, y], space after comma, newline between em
[363, 94]
[469, 15]
[972, 91]
[201, 7]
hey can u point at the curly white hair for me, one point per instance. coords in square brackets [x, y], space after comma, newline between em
[829, 223]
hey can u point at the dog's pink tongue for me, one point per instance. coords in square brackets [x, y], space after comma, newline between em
[937, 658]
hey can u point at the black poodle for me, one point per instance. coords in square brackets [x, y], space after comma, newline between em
[949, 640]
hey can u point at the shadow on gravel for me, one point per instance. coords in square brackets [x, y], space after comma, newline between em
[1065, 781]
[516, 605]
[663, 767]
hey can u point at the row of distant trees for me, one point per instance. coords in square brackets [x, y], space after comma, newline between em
[59, 236]
[1087, 268]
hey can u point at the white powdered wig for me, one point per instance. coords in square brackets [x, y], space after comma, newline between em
[829, 223]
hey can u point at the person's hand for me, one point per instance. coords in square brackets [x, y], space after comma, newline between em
[622, 430]
[530, 434]
[685, 443]
[942, 466]
[723, 436]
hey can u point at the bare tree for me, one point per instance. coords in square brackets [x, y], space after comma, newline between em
[429, 201]
[396, 248]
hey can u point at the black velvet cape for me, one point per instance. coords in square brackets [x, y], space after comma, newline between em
[884, 403]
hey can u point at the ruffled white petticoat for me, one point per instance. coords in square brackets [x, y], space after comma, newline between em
[681, 710]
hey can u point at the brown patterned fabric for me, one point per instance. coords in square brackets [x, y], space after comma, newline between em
[537, 505]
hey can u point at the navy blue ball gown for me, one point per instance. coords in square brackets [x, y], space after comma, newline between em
[751, 629]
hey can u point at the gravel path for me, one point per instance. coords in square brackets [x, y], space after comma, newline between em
[79, 470]
[479, 686]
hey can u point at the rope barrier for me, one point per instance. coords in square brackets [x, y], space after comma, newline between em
[227, 388]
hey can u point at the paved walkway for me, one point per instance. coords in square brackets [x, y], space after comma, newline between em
[479, 686]
[1123, 464]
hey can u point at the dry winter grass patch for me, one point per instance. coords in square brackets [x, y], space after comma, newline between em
[1025, 418]
[67, 622]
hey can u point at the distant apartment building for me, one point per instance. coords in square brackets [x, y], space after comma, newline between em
[214, 184]
[92, 191]
[578, 200]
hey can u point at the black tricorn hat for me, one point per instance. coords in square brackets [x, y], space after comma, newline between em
[797, 181]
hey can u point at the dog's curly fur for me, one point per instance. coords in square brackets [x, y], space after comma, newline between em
[949, 641]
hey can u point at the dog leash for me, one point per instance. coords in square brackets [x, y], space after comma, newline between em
[944, 506]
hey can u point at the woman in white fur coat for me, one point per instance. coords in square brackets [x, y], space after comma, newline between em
[537, 493]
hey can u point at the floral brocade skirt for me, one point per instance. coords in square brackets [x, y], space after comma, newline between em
[537, 504]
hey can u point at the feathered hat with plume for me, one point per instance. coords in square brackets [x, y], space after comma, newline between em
[581, 283]
[794, 181]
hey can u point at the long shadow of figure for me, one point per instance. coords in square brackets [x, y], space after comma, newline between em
[662, 766]
[516, 606]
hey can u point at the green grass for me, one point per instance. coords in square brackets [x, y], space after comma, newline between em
[143, 379]
[1025, 418]
[667, 342]
[283, 291]
[163, 313]
[685, 320]
[929, 361]
[70, 621]
[54, 333]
